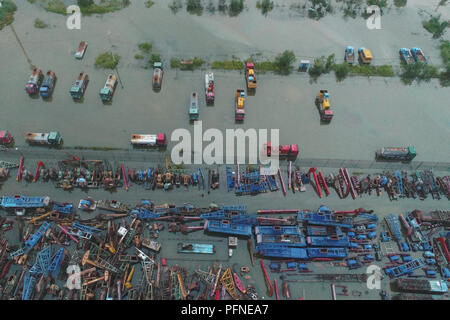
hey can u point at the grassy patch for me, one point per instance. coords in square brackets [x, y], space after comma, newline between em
[444, 77]
[38, 23]
[341, 71]
[400, 3]
[194, 7]
[265, 6]
[228, 65]
[318, 8]
[182, 65]
[107, 60]
[154, 57]
[56, 6]
[419, 72]
[138, 56]
[235, 7]
[320, 66]
[283, 62]
[88, 7]
[145, 46]
[369, 70]
[435, 27]
[7, 13]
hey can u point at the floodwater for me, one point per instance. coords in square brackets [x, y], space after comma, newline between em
[369, 113]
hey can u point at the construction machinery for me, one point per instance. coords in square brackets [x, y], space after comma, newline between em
[157, 75]
[323, 103]
[365, 55]
[34, 82]
[149, 140]
[52, 138]
[106, 93]
[250, 76]
[78, 88]
[48, 84]
[396, 154]
[239, 105]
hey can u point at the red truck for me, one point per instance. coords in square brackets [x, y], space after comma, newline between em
[285, 151]
[6, 138]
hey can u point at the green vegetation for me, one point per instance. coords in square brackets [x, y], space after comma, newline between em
[318, 8]
[155, 57]
[444, 77]
[149, 3]
[352, 8]
[445, 51]
[38, 23]
[211, 8]
[419, 72]
[175, 6]
[235, 7]
[194, 7]
[400, 3]
[138, 56]
[341, 71]
[107, 60]
[435, 27]
[88, 7]
[228, 65]
[265, 6]
[321, 65]
[283, 62]
[369, 70]
[145, 46]
[177, 63]
[223, 6]
[7, 13]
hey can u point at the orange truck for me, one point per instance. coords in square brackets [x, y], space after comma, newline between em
[250, 76]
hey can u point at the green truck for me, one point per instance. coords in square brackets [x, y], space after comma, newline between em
[78, 88]
[52, 138]
[396, 154]
[193, 107]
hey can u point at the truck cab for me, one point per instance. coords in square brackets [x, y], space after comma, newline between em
[54, 138]
[365, 55]
[6, 138]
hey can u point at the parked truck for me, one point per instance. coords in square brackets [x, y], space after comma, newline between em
[48, 84]
[107, 92]
[323, 103]
[418, 55]
[6, 138]
[209, 88]
[239, 104]
[81, 50]
[77, 90]
[34, 81]
[52, 138]
[289, 152]
[349, 55]
[250, 76]
[365, 55]
[149, 140]
[396, 154]
[157, 75]
[193, 107]
[406, 56]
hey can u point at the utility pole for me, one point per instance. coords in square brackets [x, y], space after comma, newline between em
[21, 46]
[114, 59]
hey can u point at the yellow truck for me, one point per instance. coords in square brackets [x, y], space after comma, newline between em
[365, 55]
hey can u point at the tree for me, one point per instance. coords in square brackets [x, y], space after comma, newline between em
[85, 3]
[283, 62]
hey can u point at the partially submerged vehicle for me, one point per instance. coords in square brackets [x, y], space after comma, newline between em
[365, 55]
[81, 50]
[349, 55]
[250, 76]
[34, 81]
[396, 154]
[6, 138]
[48, 84]
[78, 88]
[418, 55]
[193, 107]
[406, 56]
[52, 138]
[87, 204]
[107, 92]
[157, 75]
[149, 140]
[209, 88]
[323, 103]
[239, 104]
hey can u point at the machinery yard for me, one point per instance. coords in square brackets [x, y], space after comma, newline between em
[87, 183]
